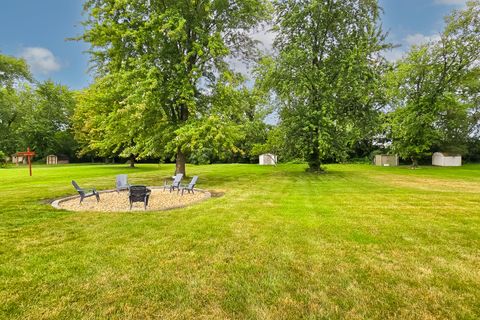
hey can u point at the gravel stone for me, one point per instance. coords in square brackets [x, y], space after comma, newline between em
[118, 202]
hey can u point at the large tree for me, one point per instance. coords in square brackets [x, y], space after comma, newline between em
[104, 123]
[327, 74]
[434, 89]
[45, 124]
[173, 54]
[12, 71]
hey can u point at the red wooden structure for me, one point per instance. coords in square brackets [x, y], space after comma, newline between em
[29, 154]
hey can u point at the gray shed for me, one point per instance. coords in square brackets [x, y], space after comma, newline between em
[386, 160]
[267, 159]
[52, 159]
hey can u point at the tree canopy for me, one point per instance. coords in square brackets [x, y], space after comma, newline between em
[326, 75]
[166, 86]
[172, 57]
[35, 114]
[434, 90]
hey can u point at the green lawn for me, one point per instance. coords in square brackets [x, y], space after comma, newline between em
[275, 243]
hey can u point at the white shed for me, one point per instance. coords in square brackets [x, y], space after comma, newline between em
[267, 159]
[18, 159]
[386, 160]
[52, 159]
[446, 160]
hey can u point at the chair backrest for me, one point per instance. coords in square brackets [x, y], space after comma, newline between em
[75, 185]
[177, 180]
[122, 180]
[137, 193]
[193, 182]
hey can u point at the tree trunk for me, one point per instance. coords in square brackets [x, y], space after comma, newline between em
[180, 163]
[132, 161]
[414, 163]
[314, 164]
[314, 161]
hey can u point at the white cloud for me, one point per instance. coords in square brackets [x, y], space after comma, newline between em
[394, 54]
[41, 60]
[266, 38]
[450, 2]
[419, 39]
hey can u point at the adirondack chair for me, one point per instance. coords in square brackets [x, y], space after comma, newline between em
[85, 193]
[189, 187]
[139, 194]
[175, 184]
[121, 181]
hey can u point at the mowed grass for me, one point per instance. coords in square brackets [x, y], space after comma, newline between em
[276, 243]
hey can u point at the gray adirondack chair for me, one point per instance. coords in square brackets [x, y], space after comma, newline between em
[139, 194]
[175, 184]
[85, 193]
[189, 187]
[122, 182]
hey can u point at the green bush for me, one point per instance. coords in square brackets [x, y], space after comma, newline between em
[3, 159]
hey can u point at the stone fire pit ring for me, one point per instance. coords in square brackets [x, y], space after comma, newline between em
[111, 201]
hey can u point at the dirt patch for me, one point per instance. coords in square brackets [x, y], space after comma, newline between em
[217, 194]
[429, 184]
[118, 202]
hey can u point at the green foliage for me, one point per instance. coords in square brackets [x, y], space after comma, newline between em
[106, 120]
[206, 138]
[39, 118]
[9, 116]
[434, 90]
[275, 143]
[327, 74]
[45, 125]
[12, 70]
[33, 116]
[167, 57]
[3, 159]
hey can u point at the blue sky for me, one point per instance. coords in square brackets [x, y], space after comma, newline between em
[37, 30]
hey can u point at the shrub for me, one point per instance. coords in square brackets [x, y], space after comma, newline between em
[3, 159]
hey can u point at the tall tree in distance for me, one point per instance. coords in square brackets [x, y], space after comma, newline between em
[434, 89]
[105, 123]
[327, 74]
[173, 53]
[12, 70]
[45, 126]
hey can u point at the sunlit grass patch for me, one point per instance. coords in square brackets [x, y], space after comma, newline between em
[277, 243]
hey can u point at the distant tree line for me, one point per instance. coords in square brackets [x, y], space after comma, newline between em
[34, 114]
[165, 87]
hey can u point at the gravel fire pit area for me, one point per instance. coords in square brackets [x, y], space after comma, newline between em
[111, 201]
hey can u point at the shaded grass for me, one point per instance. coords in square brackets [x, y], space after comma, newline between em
[358, 242]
